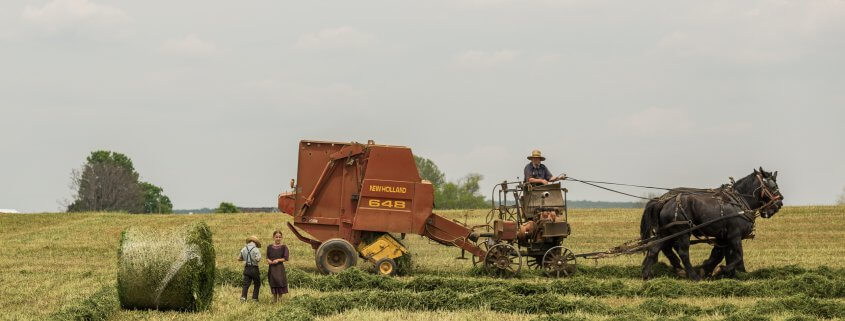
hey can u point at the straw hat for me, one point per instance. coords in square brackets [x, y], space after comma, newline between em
[536, 154]
[254, 239]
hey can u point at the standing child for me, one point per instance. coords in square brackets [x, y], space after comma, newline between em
[277, 255]
[251, 255]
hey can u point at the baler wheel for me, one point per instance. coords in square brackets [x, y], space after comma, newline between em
[386, 266]
[335, 255]
[504, 257]
[559, 262]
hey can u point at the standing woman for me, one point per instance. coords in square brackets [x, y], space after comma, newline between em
[277, 255]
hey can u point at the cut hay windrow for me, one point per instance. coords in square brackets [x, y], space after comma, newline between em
[166, 269]
[803, 304]
[103, 303]
[98, 306]
[305, 307]
[550, 306]
[662, 269]
[809, 284]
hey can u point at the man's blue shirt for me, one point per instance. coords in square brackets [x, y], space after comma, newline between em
[539, 172]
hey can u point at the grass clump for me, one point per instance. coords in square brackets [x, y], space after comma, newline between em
[171, 269]
[228, 277]
[813, 285]
[664, 308]
[98, 306]
[590, 287]
[746, 316]
[802, 304]
[294, 310]
[560, 317]
[663, 287]
[722, 309]
[800, 318]
[405, 265]
[627, 317]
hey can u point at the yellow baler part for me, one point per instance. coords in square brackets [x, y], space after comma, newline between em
[386, 246]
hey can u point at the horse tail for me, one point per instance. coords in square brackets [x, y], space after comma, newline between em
[650, 219]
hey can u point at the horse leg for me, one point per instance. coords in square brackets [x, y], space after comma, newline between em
[683, 251]
[741, 266]
[735, 257]
[716, 256]
[667, 249]
[650, 259]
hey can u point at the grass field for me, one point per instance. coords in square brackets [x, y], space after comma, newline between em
[55, 264]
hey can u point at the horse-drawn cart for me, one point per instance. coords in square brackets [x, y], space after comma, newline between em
[735, 206]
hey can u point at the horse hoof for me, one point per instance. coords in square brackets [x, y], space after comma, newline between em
[719, 271]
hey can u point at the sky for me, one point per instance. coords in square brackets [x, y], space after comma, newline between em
[210, 98]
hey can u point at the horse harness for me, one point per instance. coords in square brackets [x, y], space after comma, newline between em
[723, 194]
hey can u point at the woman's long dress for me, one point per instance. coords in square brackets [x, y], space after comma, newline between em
[276, 273]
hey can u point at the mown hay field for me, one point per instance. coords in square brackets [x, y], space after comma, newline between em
[64, 266]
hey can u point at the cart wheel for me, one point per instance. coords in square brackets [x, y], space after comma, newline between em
[335, 255]
[559, 262]
[504, 257]
[386, 266]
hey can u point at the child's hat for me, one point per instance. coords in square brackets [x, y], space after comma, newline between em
[254, 239]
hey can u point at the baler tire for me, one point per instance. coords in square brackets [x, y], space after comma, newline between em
[387, 267]
[335, 255]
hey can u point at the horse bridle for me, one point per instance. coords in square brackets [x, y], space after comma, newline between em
[766, 192]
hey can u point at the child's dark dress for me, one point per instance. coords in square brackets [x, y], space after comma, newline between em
[276, 273]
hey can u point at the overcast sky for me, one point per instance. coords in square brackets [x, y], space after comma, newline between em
[210, 98]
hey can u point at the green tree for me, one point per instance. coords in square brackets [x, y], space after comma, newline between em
[105, 187]
[226, 207]
[113, 158]
[108, 182]
[429, 171]
[462, 194]
[154, 200]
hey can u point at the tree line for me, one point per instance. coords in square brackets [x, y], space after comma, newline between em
[460, 194]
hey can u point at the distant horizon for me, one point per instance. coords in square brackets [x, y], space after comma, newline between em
[571, 207]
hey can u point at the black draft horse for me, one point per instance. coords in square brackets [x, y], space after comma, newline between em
[732, 210]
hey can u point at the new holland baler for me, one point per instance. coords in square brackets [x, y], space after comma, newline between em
[350, 197]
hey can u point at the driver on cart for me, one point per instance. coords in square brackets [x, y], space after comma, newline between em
[537, 173]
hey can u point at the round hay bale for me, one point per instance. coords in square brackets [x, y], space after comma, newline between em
[166, 269]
